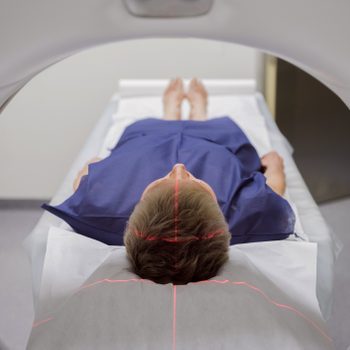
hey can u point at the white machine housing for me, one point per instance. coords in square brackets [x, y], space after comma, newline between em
[313, 35]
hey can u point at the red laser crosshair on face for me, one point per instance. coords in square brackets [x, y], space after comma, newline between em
[176, 206]
[176, 238]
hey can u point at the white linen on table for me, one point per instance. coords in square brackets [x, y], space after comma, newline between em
[36, 242]
[279, 273]
[72, 258]
[243, 109]
[156, 87]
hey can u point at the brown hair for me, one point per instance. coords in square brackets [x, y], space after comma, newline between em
[177, 236]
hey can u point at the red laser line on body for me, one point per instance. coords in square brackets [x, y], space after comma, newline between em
[178, 239]
[236, 283]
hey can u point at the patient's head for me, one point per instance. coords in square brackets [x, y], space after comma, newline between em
[177, 232]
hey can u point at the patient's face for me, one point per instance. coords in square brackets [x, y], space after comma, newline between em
[180, 173]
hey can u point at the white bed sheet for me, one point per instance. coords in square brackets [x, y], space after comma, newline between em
[242, 108]
[253, 303]
[97, 143]
[72, 259]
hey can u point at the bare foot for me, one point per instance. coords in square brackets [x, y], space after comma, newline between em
[172, 99]
[198, 98]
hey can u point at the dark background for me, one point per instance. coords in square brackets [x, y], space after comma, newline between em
[317, 124]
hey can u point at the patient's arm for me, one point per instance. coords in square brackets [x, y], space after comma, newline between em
[84, 172]
[274, 172]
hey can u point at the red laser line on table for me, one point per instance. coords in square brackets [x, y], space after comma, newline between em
[271, 301]
[236, 283]
[37, 324]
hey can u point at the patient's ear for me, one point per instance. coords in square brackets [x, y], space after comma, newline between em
[142, 198]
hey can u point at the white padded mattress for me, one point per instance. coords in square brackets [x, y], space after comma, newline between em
[311, 220]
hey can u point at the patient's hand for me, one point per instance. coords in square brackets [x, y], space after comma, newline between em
[273, 161]
[84, 171]
[274, 173]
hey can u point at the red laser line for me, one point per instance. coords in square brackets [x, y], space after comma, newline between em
[212, 234]
[175, 239]
[174, 317]
[176, 206]
[36, 324]
[107, 280]
[273, 302]
[237, 283]
[178, 239]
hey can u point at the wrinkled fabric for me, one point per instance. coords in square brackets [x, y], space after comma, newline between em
[215, 151]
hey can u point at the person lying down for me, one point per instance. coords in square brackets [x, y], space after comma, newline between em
[178, 192]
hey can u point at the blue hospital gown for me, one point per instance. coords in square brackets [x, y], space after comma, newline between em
[215, 151]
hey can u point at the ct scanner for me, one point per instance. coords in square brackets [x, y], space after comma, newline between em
[312, 35]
